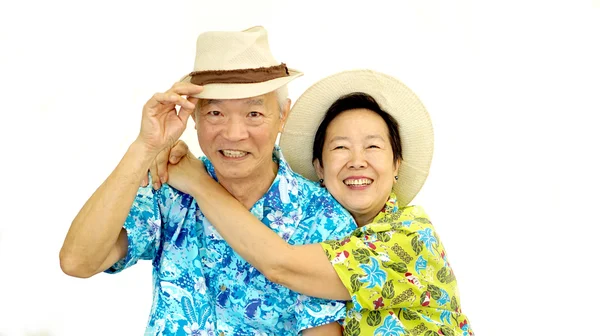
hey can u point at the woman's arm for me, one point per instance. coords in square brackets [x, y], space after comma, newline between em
[332, 328]
[303, 268]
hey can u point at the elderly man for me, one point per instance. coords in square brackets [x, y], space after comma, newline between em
[237, 98]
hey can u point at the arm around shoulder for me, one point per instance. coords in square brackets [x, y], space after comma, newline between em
[330, 329]
[307, 270]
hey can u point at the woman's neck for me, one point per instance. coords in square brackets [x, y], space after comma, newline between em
[364, 219]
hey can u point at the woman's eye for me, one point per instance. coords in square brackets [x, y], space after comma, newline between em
[214, 113]
[339, 147]
[373, 146]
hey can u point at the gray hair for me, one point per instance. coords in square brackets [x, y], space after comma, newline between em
[282, 97]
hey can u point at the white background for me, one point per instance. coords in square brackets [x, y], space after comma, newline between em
[513, 89]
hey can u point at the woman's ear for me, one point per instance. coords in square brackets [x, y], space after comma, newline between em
[397, 167]
[318, 168]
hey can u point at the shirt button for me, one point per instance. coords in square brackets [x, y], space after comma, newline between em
[221, 334]
[223, 288]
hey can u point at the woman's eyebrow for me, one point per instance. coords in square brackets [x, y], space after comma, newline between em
[374, 136]
[338, 138]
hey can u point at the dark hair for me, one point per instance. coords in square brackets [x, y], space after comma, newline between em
[356, 100]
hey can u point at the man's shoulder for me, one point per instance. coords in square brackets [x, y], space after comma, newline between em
[312, 195]
[311, 189]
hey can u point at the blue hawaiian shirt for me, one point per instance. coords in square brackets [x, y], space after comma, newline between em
[202, 287]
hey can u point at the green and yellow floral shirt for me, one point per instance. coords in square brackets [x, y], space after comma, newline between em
[399, 277]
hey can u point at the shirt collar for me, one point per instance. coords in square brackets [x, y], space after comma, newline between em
[287, 189]
[381, 222]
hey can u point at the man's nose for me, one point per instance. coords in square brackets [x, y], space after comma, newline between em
[235, 130]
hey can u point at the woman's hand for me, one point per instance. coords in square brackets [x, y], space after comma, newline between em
[187, 175]
[158, 167]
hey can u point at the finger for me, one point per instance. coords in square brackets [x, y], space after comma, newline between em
[160, 99]
[193, 100]
[186, 112]
[178, 152]
[144, 181]
[174, 94]
[186, 88]
[161, 165]
[154, 101]
[154, 175]
[169, 98]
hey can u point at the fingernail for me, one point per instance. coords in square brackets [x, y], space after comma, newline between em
[172, 158]
[156, 185]
[142, 184]
[163, 179]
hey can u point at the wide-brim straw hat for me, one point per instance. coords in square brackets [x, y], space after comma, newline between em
[234, 65]
[416, 131]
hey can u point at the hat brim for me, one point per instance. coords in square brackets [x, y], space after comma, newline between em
[239, 91]
[416, 131]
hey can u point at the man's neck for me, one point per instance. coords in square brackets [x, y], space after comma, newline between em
[249, 190]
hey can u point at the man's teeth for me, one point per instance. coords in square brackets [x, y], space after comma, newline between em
[233, 153]
[358, 182]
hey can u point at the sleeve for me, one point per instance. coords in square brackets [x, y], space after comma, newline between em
[338, 223]
[143, 226]
[313, 312]
[395, 265]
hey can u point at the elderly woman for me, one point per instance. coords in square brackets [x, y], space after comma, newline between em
[372, 149]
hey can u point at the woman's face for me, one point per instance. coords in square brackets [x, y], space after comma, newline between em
[358, 165]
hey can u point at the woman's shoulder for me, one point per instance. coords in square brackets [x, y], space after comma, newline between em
[412, 211]
[400, 216]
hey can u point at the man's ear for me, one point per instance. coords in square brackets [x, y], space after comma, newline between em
[318, 168]
[284, 113]
[195, 115]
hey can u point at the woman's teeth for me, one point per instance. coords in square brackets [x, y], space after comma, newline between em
[358, 182]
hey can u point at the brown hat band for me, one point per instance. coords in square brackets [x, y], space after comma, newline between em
[239, 76]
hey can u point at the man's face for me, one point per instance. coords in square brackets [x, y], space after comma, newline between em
[238, 135]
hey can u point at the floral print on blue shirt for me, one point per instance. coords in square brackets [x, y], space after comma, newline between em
[202, 287]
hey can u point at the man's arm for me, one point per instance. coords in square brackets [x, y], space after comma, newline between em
[332, 328]
[96, 239]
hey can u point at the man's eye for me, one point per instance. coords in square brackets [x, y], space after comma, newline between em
[214, 113]
[254, 114]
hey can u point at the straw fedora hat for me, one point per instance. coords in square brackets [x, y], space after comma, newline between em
[416, 131]
[234, 65]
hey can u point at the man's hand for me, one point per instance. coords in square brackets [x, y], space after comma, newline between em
[158, 168]
[187, 174]
[162, 125]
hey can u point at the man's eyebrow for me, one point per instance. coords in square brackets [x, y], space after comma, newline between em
[213, 102]
[249, 102]
[255, 102]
